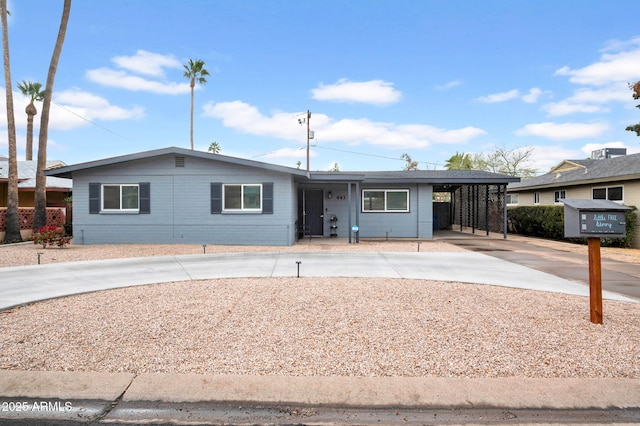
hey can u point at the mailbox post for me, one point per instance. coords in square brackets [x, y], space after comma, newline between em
[594, 219]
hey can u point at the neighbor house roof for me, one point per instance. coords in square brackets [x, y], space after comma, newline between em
[579, 172]
[27, 174]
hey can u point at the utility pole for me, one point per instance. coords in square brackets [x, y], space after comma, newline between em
[308, 130]
[301, 121]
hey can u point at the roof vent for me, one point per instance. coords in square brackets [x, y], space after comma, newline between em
[603, 153]
[179, 161]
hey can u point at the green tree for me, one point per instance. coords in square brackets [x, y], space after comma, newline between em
[32, 91]
[214, 147]
[636, 95]
[196, 73]
[40, 213]
[459, 161]
[12, 221]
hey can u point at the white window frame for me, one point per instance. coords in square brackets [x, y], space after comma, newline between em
[607, 188]
[386, 208]
[242, 207]
[120, 209]
[556, 200]
[536, 198]
[511, 197]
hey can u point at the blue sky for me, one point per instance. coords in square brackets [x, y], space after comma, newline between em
[381, 78]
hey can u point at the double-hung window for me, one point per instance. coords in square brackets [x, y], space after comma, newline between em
[611, 193]
[120, 197]
[559, 195]
[385, 200]
[242, 198]
[512, 198]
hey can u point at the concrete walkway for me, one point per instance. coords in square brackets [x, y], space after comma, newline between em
[25, 284]
[121, 397]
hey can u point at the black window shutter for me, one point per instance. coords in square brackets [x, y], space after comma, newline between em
[94, 198]
[267, 198]
[216, 198]
[145, 197]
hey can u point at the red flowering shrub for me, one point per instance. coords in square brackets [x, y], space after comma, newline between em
[51, 235]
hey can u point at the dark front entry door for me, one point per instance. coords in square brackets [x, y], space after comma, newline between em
[312, 211]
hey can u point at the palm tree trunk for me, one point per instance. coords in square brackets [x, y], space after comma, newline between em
[40, 214]
[12, 220]
[29, 147]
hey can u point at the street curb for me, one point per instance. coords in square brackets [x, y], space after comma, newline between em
[334, 391]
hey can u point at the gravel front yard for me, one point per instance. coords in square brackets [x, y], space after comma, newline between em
[319, 326]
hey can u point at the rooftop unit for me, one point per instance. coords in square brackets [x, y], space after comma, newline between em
[601, 154]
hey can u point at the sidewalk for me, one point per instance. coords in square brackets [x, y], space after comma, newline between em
[116, 397]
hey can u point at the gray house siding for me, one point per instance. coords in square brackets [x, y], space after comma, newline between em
[180, 205]
[417, 223]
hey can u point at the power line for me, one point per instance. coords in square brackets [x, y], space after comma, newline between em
[374, 155]
[87, 120]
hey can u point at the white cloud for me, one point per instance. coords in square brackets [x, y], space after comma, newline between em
[290, 153]
[567, 107]
[93, 107]
[545, 157]
[621, 66]
[147, 63]
[532, 96]
[589, 100]
[563, 131]
[70, 109]
[449, 85]
[376, 92]
[248, 119]
[122, 80]
[499, 97]
[590, 147]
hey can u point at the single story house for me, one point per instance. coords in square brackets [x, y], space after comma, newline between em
[609, 174]
[58, 189]
[176, 195]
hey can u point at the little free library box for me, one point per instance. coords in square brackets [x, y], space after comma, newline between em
[594, 218]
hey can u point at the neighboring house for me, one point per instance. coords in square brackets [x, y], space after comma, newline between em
[58, 189]
[604, 177]
[175, 195]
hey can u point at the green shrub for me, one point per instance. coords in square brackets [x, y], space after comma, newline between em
[51, 235]
[548, 222]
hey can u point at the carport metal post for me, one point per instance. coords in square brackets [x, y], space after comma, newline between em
[504, 214]
[486, 208]
[349, 208]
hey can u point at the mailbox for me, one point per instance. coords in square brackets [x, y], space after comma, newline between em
[594, 219]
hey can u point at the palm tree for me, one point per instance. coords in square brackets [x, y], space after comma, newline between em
[459, 161]
[214, 147]
[195, 72]
[32, 91]
[40, 213]
[12, 221]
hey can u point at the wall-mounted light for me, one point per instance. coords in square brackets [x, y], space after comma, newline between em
[329, 195]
